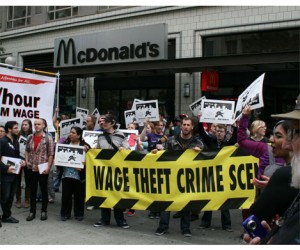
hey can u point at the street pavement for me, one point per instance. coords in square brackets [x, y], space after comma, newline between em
[141, 232]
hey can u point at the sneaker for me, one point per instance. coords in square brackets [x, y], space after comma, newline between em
[228, 229]
[51, 200]
[124, 225]
[10, 220]
[151, 215]
[30, 217]
[131, 213]
[90, 208]
[63, 218]
[157, 215]
[187, 233]
[203, 226]
[160, 231]
[18, 204]
[44, 216]
[98, 224]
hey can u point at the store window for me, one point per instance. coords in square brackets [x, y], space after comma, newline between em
[271, 41]
[18, 16]
[59, 12]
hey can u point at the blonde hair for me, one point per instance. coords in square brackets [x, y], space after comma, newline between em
[255, 125]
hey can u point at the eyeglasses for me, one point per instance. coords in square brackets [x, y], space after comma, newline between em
[293, 133]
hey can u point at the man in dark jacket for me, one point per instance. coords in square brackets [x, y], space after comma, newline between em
[9, 147]
[182, 141]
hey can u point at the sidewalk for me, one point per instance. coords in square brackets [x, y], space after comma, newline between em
[141, 231]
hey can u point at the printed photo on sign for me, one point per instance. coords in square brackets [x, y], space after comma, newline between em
[22, 142]
[146, 109]
[217, 111]
[131, 136]
[97, 114]
[81, 112]
[25, 95]
[66, 125]
[252, 96]
[91, 137]
[69, 156]
[12, 162]
[195, 107]
[129, 117]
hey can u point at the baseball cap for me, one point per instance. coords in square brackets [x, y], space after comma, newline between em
[294, 115]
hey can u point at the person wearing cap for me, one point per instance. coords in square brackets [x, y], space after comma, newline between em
[287, 230]
[111, 138]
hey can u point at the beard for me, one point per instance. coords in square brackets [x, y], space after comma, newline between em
[295, 162]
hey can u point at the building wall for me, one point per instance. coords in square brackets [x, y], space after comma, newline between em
[186, 24]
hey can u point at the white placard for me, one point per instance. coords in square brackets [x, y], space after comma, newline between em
[131, 135]
[42, 167]
[146, 109]
[129, 117]
[195, 107]
[91, 137]
[11, 161]
[66, 125]
[217, 111]
[252, 96]
[22, 143]
[67, 155]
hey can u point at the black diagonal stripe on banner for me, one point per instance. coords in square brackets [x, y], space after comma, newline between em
[206, 155]
[126, 203]
[158, 206]
[135, 156]
[106, 154]
[239, 152]
[95, 201]
[195, 205]
[170, 155]
[233, 203]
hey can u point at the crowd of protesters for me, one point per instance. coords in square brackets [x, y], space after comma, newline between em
[278, 167]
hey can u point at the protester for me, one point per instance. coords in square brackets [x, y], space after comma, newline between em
[182, 141]
[111, 139]
[2, 131]
[287, 230]
[156, 140]
[9, 147]
[39, 150]
[26, 129]
[73, 182]
[217, 142]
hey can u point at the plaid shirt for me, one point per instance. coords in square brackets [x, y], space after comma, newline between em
[41, 154]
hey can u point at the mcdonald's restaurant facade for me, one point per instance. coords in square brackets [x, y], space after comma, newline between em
[172, 54]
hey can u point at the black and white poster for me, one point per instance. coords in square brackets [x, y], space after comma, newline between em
[146, 109]
[22, 142]
[195, 107]
[217, 111]
[66, 125]
[12, 162]
[81, 112]
[67, 155]
[91, 137]
[97, 114]
[129, 117]
[131, 137]
[252, 96]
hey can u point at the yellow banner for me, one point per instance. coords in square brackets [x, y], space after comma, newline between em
[170, 180]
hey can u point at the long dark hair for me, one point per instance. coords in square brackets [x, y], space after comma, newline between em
[22, 133]
[78, 132]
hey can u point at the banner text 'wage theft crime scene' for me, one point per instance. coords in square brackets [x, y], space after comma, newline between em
[170, 180]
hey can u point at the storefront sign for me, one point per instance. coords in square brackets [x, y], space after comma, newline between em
[210, 81]
[117, 46]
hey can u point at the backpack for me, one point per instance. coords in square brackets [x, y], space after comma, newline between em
[273, 166]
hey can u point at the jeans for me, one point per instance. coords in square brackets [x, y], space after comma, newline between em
[106, 214]
[185, 220]
[225, 218]
[9, 185]
[57, 178]
[35, 179]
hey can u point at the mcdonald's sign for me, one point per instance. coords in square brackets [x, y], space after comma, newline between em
[209, 81]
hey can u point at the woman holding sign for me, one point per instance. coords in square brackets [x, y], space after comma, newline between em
[73, 181]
